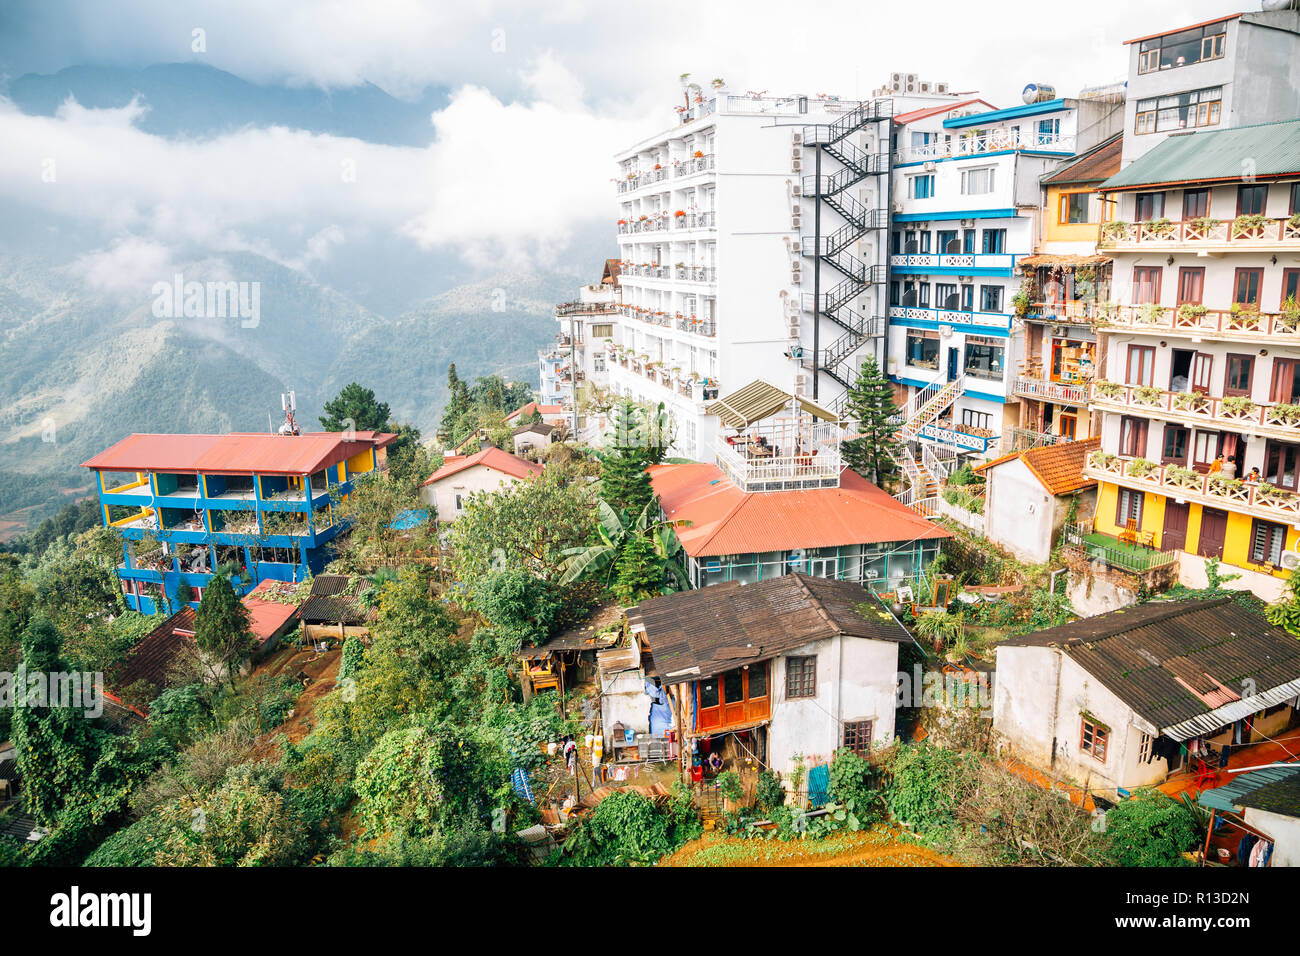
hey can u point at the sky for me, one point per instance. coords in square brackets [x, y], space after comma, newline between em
[542, 94]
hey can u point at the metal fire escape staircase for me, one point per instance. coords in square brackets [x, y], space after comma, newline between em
[832, 250]
[937, 460]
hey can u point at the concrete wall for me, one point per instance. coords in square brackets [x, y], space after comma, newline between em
[1285, 832]
[1020, 512]
[1039, 698]
[856, 680]
[476, 480]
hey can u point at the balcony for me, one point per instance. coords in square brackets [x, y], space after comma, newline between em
[682, 323]
[1003, 262]
[644, 224]
[781, 455]
[585, 308]
[1185, 484]
[1231, 325]
[991, 141]
[1130, 556]
[1060, 393]
[990, 320]
[695, 220]
[1235, 413]
[944, 433]
[696, 164]
[686, 384]
[634, 181]
[1245, 233]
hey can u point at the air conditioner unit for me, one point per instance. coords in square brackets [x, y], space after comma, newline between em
[796, 165]
[796, 223]
[911, 87]
[898, 208]
[1290, 560]
[925, 87]
[895, 77]
[911, 79]
[796, 190]
[941, 88]
[795, 210]
[945, 331]
[929, 167]
[968, 223]
[796, 138]
[896, 86]
[796, 153]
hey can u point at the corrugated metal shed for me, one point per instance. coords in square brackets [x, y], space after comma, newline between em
[1215, 156]
[1229, 797]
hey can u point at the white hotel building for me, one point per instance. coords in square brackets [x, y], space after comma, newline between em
[719, 219]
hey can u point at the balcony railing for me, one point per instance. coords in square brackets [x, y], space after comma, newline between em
[992, 141]
[586, 308]
[993, 320]
[1048, 391]
[1131, 557]
[1245, 232]
[953, 260]
[657, 223]
[1023, 439]
[1261, 500]
[663, 320]
[821, 470]
[696, 164]
[947, 435]
[1276, 327]
[1240, 414]
[696, 220]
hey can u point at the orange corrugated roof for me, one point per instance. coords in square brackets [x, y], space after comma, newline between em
[240, 453]
[528, 410]
[490, 457]
[725, 520]
[921, 114]
[1059, 468]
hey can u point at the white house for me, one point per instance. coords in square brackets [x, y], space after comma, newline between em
[1120, 700]
[789, 666]
[448, 489]
[1029, 494]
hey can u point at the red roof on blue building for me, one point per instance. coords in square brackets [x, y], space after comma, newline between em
[247, 453]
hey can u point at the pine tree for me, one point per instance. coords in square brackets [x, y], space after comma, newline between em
[457, 405]
[624, 481]
[871, 404]
[222, 627]
[355, 405]
[639, 573]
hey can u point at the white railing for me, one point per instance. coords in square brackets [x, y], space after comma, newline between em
[941, 462]
[788, 471]
[977, 144]
[1069, 393]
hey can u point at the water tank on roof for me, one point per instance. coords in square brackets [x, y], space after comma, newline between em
[1038, 93]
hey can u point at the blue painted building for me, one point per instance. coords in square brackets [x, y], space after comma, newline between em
[263, 505]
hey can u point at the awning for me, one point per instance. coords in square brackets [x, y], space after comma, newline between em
[759, 400]
[1230, 712]
[1062, 260]
[1226, 798]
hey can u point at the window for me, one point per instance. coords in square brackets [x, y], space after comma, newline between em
[1280, 460]
[1183, 48]
[1196, 203]
[1205, 448]
[984, 357]
[923, 349]
[1266, 542]
[1146, 284]
[948, 241]
[1251, 199]
[1049, 131]
[925, 241]
[1144, 748]
[800, 677]
[460, 502]
[1075, 208]
[1149, 206]
[1290, 285]
[977, 182]
[1133, 436]
[895, 243]
[1165, 114]
[968, 241]
[1237, 381]
[857, 736]
[757, 681]
[1191, 285]
[709, 696]
[1245, 287]
[920, 187]
[1174, 451]
[1141, 365]
[968, 298]
[970, 418]
[1093, 738]
[1128, 507]
[1294, 206]
[990, 298]
[909, 242]
[602, 331]
[894, 292]
[995, 241]
[923, 295]
[945, 295]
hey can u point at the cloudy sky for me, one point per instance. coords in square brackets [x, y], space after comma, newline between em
[541, 95]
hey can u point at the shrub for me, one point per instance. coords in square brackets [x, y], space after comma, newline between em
[350, 660]
[1149, 829]
[852, 779]
[768, 792]
[925, 787]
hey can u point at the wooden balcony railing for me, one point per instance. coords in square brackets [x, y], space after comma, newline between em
[1048, 391]
[1227, 324]
[1235, 494]
[1242, 232]
[1231, 412]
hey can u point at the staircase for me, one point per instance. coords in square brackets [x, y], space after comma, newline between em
[855, 277]
[927, 405]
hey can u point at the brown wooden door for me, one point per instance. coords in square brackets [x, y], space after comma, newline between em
[733, 697]
[1214, 529]
[1202, 368]
[1174, 535]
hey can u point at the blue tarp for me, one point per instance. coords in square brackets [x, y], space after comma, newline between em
[410, 518]
[661, 716]
[819, 785]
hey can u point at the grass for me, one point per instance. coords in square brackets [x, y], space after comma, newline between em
[1132, 557]
[876, 848]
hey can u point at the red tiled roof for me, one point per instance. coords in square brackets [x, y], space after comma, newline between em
[531, 406]
[1058, 468]
[266, 618]
[153, 657]
[242, 453]
[928, 111]
[491, 457]
[726, 520]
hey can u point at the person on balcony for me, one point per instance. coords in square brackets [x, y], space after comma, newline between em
[1254, 477]
[1216, 466]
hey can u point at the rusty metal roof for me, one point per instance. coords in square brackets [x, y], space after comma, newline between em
[1188, 667]
[695, 634]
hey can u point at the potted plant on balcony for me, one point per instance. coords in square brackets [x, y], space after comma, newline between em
[698, 154]
[1247, 226]
[1191, 311]
[1286, 413]
[1159, 227]
[679, 214]
[1147, 395]
[1140, 467]
[1237, 406]
[1289, 317]
[1182, 477]
[1221, 485]
[1101, 459]
[1203, 225]
[1108, 389]
[1189, 401]
[1114, 230]
[1151, 313]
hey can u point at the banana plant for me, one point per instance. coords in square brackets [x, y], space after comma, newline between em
[616, 530]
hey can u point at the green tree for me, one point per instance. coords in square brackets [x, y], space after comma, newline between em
[222, 629]
[1149, 829]
[637, 442]
[873, 452]
[643, 556]
[355, 405]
